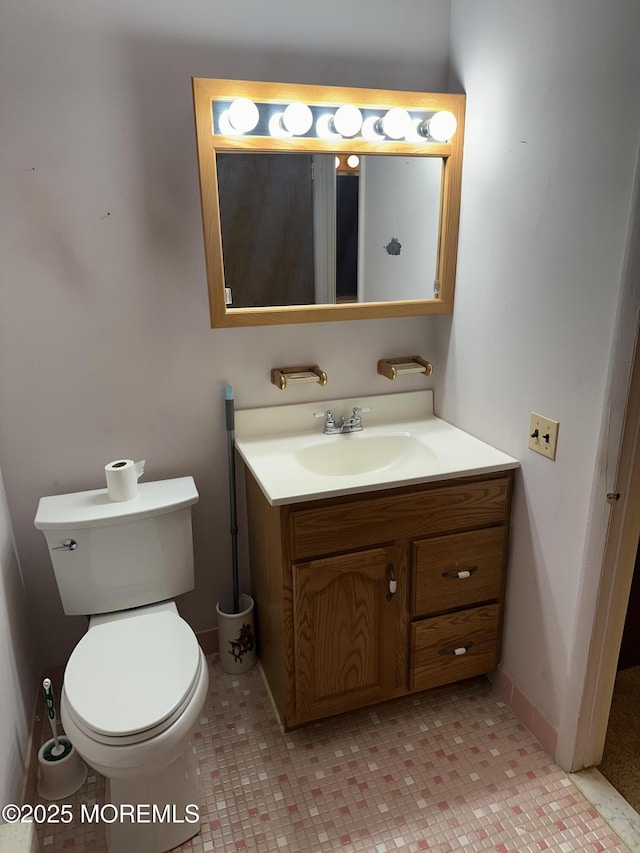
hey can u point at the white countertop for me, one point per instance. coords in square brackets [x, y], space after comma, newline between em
[270, 440]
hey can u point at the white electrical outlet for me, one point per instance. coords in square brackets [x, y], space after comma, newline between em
[543, 435]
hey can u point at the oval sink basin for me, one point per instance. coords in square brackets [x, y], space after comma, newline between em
[344, 455]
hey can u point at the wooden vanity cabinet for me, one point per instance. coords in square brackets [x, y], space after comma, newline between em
[361, 598]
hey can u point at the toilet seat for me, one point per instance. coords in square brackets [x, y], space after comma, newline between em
[132, 674]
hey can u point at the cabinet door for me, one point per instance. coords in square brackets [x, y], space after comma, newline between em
[350, 631]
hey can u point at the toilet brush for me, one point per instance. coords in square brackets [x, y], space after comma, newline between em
[61, 770]
[58, 748]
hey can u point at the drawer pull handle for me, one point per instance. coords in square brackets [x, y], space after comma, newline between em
[462, 650]
[460, 575]
[393, 584]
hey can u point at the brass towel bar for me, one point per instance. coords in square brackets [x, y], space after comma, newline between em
[394, 367]
[284, 376]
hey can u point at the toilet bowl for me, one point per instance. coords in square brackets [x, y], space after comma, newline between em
[135, 685]
[134, 688]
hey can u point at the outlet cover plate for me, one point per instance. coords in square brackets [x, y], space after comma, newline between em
[543, 435]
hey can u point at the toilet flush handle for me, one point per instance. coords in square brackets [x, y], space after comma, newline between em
[67, 545]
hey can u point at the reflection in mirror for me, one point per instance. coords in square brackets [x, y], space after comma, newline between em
[266, 222]
[303, 229]
[399, 233]
[290, 237]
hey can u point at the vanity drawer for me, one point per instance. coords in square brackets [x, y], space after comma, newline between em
[367, 521]
[434, 640]
[436, 562]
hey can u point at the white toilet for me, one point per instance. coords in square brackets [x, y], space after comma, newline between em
[136, 683]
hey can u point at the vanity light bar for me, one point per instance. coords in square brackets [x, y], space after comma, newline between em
[243, 117]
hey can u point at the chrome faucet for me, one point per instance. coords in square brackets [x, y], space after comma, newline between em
[343, 425]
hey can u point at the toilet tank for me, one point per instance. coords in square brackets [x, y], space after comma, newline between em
[127, 553]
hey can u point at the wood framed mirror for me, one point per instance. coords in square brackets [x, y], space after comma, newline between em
[313, 213]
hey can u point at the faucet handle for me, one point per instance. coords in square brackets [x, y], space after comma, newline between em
[329, 421]
[330, 426]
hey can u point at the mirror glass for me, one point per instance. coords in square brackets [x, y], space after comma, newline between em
[323, 203]
[317, 229]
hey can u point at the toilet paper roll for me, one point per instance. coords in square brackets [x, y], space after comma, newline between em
[122, 478]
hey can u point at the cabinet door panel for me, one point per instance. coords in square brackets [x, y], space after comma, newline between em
[346, 630]
[436, 562]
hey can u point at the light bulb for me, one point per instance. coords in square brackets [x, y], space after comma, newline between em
[440, 126]
[324, 127]
[414, 134]
[395, 123]
[347, 120]
[370, 129]
[242, 115]
[297, 118]
[353, 161]
[276, 128]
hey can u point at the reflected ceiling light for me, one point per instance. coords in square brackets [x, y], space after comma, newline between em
[353, 161]
[395, 123]
[440, 126]
[347, 120]
[241, 117]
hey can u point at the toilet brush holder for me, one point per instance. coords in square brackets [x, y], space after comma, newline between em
[236, 637]
[60, 775]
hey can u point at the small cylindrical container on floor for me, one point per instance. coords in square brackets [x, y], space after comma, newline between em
[61, 773]
[236, 637]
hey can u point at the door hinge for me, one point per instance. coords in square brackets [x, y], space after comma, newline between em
[613, 497]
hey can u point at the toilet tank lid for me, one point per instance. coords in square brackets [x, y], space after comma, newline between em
[94, 509]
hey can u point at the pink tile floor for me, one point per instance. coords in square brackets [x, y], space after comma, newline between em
[448, 769]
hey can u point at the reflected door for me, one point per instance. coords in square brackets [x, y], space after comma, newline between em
[399, 232]
[266, 221]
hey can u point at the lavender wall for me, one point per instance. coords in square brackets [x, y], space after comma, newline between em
[105, 345]
[553, 122]
[17, 665]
